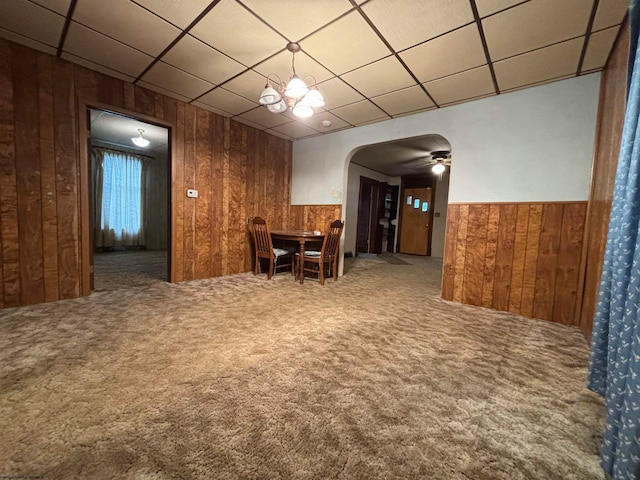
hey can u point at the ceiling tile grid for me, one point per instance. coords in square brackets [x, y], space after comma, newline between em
[101, 49]
[461, 86]
[26, 19]
[371, 59]
[126, 22]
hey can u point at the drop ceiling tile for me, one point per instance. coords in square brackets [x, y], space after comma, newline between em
[278, 134]
[469, 84]
[315, 122]
[227, 101]
[58, 6]
[598, 49]
[316, 14]
[405, 23]
[28, 42]
[280, 65]
[379, 77]
[98, 68]
[219, 28]
[180, 14]
[199, 59]
[264, 117]
[249, 85]
[128, 23]
[402, 101]
[209, 108]
[174, 80]
[535, 84]
[295, 130]
[345, 45]
[31, 21]
[534, 25]
[433, 59]
[163, 91]
[360, 112]
[249, 123]
[97, 48]
[610, 12]
[540, 65]
[488, 7]
[336, 93]
[413, 112]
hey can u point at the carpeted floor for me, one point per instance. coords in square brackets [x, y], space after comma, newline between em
[370, 377]
[129, 269]
[395, 258]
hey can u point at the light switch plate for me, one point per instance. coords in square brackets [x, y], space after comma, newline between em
[191, 193]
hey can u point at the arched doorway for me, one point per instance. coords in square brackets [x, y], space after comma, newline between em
[378, 179]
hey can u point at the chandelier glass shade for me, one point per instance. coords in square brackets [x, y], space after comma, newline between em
[295, 95]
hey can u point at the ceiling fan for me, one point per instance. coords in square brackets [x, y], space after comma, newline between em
[439, 160]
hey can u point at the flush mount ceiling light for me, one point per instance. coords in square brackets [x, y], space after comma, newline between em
[140, 141]
[438, 168]
[295, 95]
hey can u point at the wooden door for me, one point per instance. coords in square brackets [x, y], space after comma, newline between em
[377, 229]
[369, 232]
[416, 221]
[364, 217]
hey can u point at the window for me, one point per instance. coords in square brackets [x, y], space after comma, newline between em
[121, 197]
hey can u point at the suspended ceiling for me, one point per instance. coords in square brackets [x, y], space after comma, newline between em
[373, 59]
[117, 131]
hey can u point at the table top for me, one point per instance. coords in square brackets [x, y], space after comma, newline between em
[297, 234]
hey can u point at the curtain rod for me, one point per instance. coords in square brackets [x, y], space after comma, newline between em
[131, 152]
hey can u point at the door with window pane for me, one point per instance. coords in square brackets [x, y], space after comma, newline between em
[416, 221]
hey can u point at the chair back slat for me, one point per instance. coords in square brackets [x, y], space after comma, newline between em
[331, 243]
[262, 236]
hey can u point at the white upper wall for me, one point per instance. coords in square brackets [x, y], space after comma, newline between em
[531, 145]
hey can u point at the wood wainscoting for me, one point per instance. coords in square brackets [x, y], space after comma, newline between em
[613, 98]
[313, 217]
[523, 258]
[238, 171]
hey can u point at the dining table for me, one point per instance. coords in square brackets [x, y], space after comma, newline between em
[300, 236]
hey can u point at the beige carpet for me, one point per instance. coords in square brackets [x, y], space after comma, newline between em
[370, 377]
[129, 269]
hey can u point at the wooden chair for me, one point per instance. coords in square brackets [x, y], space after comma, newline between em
[316, 261]
[264, 249]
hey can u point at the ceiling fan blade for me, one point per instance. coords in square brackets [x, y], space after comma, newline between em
[418, 162]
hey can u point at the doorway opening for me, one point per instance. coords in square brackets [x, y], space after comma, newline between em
[129, 192]
[380, 179]
[377, 215]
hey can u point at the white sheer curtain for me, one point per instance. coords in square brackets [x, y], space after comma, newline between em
[119, 196]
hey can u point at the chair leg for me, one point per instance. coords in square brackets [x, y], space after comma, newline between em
[256, 266]
[272, 267]
[321, 269]
[335, 269]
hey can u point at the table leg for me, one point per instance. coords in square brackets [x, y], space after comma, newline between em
[301, 262]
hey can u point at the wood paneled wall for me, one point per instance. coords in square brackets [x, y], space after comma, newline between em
[613, 93]
[519, 257]
[238, 171]
[313, 217]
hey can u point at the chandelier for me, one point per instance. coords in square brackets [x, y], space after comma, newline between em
[295, 95]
